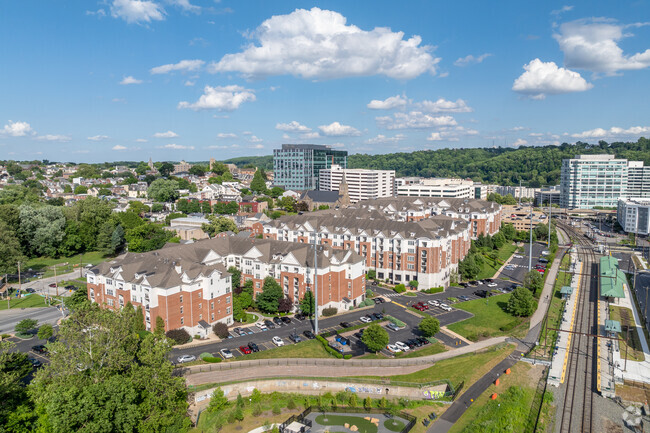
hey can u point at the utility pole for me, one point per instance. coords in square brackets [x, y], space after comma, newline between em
[316, 282]
[550, 210]
[530, 249]
[81, 272]
[55, 283]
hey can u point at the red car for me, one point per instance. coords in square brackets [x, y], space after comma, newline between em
[541, 271]
[245, 350]
[418, 307]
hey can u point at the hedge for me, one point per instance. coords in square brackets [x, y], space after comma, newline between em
[433, 290]
[205, 355]
[400, 288]
[327, 347]
[395, 321]
[212, 359]
[330, 311]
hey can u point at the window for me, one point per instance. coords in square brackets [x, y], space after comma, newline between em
[200, 316]
[182, 320]
[228, 300]
[349, 284]
[212, 305]
[181, 299]
[110, 302]
[110, 292]
[181, 309]
[109, 282]
[228, 310]
[200, 305]
[212, 317]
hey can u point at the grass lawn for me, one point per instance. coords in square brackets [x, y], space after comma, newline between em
[430, 349]
[423, 412]
[485, 412]
[489, 267]
[250, 422]
[633, 344]
[489, 320]
[304, 349]
[363, 425]
[466, 368]
[29, 301]
[63, 265]
[250, 318]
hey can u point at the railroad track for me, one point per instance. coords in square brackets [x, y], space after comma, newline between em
[580, 381]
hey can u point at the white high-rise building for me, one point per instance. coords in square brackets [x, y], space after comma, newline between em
[638, 180]
[438, 187]
[362, 184]
[634, 216]
[590, 181]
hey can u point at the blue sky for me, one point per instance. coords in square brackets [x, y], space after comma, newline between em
[193, 79]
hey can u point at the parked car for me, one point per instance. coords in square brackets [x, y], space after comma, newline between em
[295, 338]
[381, 300]
[277, 321]
[358, 335]
[345, 325]
[482, 293]
[300, 316]
[286, 320]
[365, 319]
[492, 284]
[473, 283]
[226, 353]
[423, 340]
[434, 303]
[541, 270]
[261, 326]
[253, 347]
[245, 350]
[393, 349]
[278, 341]
[378, 316]
[30, 290]
[411, 343]
[418, 307]
[269, 324]
[545, 253]
[40, 349]
[53, 285]
[376, 300]
[402, 346]
[445, 307]
[185, 358]
[393, 327]
[35, 362]
[243, 332]
[463, 298]
[310, 335]
[424, 305]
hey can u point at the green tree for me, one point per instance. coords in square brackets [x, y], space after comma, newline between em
[107, 379]
[198, 170]
[147, 237]
[308, 303]
[26, 326]
[276, 192]
[268, 300]
[142, 168]
[534, 281]
[258, 184]
[10, 251]
[235, 279]
[375, 338]
[163, 190]
[81, 189]
[67, 188]
[16, 413]
[138, 321]
[218, 401]
[521, 303]
[232, 208]
[245, 300]
[41, 229]
[219, 224]
[45, 331]
[157, 207]
[138, 207]
[429, 326]
[219, 168]
[78, 300]
[160, 326]
[165, 169]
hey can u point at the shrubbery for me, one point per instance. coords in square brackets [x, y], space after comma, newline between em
[178, 336]
[400, 288]
[220, 330]
[212, 359]
[330, 311]
[433, 290]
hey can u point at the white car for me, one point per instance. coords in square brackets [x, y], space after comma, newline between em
[545, 253]
[433, 303]
[226, 353]
[445, 307]
[365, 319]
[393, 349]
[492, 284]
[261, 326]
[480, 282]
[278, 341]
[517, 256]
[401, 346]
[186, 358]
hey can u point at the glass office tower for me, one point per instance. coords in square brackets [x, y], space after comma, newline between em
[296, 166]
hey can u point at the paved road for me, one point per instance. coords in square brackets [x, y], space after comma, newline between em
[43, 285]
[520, 264]
[9, 318]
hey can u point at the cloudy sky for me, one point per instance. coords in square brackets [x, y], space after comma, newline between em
[192, 79]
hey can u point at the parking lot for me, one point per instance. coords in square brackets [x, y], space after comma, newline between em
[519, 263]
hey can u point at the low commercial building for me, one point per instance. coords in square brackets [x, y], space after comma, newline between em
[362, 184]
[438, 187]
[634, 216]
[546, 196]
[189, 286]
[188, 228]
[520, 217]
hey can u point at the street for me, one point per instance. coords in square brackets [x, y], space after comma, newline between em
[10, 318]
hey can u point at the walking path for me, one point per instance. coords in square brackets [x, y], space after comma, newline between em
[458, 408]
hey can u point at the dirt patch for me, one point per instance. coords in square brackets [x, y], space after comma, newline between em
[610, 427]
[632, 393]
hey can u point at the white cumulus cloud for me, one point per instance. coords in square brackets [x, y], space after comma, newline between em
[175, 146]
[141, 140]
[186, 6]
[254, 139]
[444, 106]
[310, 135]
[168, 134]
[226, 135]
[519, 142]
[545, 78]
[414, 120]
[614, 131]
[226, 98]
[383, 139]
[319, 44]
[18, 129]
[137, 11]
[335, 129]
[119, 147]
[258, 146]
[470, 59]
[183, 65]
[592, 44]
[130, 80]
[292, 126]
[98, 138]
[396, 101]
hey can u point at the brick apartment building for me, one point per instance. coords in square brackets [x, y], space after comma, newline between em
[189, 286]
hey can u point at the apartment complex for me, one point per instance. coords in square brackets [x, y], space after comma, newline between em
[590, 181]
[297, 166]
[361, 184]
[189, 286]
[182, 167]
[427, 251]
[484, 217]
[634, 215]
[438, 187]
